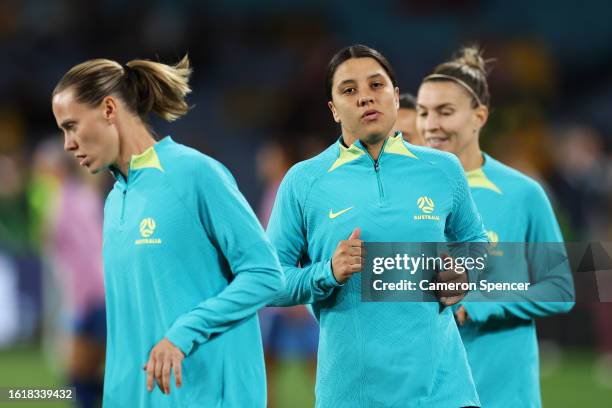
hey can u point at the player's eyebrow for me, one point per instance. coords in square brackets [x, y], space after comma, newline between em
[376, 75]
[352, 81]
[346, 82]
[66, 123]
[441, 106]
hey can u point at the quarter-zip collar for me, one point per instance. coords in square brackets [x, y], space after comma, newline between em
[148, 159]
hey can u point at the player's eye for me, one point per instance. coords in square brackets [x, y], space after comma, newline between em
[348, 91]
[376, 85]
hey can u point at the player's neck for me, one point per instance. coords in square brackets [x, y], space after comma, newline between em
[471, 158]
[372, 148]
[134, 139]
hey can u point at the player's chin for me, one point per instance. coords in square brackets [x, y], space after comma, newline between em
[93, 168]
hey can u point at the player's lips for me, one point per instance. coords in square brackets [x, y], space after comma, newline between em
[82, 158]
[370, 115]
[437, 141]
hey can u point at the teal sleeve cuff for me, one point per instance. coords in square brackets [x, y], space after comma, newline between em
[480, 312]
[180, 337]
[329, 280]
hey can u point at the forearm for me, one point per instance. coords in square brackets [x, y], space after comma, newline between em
[526, 305]
[250, 290]
[306, 285]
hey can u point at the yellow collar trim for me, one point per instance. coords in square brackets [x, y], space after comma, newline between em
[346, 155]
[478, 179]
[146, 159]
[396, 145]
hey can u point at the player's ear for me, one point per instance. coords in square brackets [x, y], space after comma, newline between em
[397, 93]
[332, 108]
[481, 114]
[109, 108]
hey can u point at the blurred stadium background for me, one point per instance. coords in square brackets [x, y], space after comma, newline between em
[259, 105]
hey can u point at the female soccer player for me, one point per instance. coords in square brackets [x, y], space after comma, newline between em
[366, 186]
[186, 263]
[500, 338]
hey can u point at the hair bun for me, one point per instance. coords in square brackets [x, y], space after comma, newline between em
[472, 57]
[469, 69]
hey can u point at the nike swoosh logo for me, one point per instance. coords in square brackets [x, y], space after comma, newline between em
[333, 215]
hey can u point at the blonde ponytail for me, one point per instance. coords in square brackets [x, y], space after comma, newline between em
[144, 86]
[160, 88]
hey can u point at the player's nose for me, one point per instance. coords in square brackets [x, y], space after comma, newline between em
[365, 100]
[432, 123]
[69, 143]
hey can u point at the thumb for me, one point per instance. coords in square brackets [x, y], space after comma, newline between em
[355, 234]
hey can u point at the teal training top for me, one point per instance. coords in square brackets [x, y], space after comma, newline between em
[185, 258]
[375, 354]
[500, 338]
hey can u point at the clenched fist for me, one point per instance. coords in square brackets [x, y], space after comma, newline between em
[348, 257]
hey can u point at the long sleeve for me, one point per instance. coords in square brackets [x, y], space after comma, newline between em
[310, 282]
[549, 270]
[256, 276]
[464, 223]
[464, 229]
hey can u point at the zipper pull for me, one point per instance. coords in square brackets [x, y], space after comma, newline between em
[376, 165]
